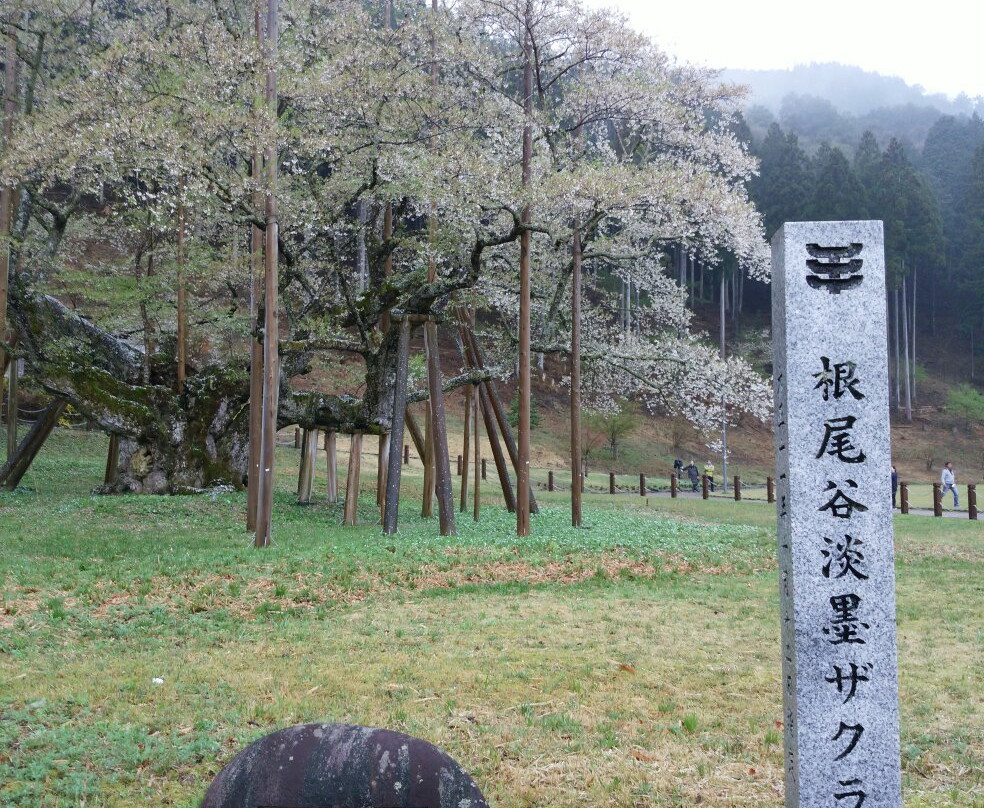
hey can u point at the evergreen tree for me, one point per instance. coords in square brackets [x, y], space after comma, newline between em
[837, 193]
[867, 165]
[902, 199]
[969, 276]
[781, 191]
[947, 161]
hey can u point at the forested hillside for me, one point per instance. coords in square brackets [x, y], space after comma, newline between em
[919, 170]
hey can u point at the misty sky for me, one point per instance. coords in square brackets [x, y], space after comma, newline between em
[939, 45]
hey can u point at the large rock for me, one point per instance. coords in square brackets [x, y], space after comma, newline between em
[342, 766]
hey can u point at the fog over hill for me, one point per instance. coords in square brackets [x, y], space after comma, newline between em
[850, 89]
[835, 104]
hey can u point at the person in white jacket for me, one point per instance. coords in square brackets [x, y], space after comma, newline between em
[949, 484]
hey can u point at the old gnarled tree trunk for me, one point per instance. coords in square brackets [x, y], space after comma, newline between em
[171, 442]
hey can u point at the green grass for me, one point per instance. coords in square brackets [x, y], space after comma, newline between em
[634, 662]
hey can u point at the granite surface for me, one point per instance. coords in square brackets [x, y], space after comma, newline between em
[836, 557]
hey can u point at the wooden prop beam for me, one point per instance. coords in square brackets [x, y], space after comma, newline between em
[18, 464]
[464, 450]
[331, 453]
[442, 462]
[352, 480]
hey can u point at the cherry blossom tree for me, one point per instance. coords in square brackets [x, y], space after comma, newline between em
[135, 113]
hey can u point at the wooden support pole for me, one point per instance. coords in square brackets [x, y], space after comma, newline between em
[705, 484]
[611, 482]
[937, 499]
[382, 469]
[642, 485]
[497, 454]
[484, 469]
[737, 488]
[352, 480]
[256, 345]
[309, 453]
[18, 464]
[182, 313]
[770, 489]
[904, 497]
[406, 454]
[476, 359]
[479, 462]
[297, 438]
[401, 418]
[416, 435]
[271, 292]
[331, 452]
[12, 408]
[112, 460]
[7, 194]
[302, 462]
[521, 460]
[673, 486]
[550, 484]
[427, 504]
[457, 470]
[971, 501]
[577, 516]
[463, 457]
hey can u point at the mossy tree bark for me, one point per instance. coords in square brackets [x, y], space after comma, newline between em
[168, 441]
[171, 442]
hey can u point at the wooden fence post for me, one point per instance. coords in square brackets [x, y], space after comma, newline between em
[673, 486]
[550, 480]
[705, 485]
[904, 497]
[484, 470]
[611, 482]
[937, 499]
[642, 485]
[297, 437]
[737, 488]
[770, 489]
[972, 501]
[406, 454]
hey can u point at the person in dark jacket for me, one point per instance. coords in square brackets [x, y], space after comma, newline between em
[693, 474]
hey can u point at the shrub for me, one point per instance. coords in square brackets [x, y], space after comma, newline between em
[965, 404]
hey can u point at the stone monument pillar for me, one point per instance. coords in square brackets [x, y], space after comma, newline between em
[836, 556]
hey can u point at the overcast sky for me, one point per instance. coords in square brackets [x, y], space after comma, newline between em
[938, 44]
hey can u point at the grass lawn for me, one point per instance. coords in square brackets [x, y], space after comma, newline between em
[633, 663]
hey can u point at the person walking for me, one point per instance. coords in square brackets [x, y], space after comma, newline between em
[693, 474]
[709, 473]
[949, 484]
[678, 467]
